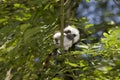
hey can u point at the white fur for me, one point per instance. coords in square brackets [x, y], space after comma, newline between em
[67, 42]
[57, 36]
[73, 31]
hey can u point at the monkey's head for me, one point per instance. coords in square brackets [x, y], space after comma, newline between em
[67, 42]
[56, 38]
[72, 33]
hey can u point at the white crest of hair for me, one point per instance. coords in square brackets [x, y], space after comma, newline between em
[56, 36]
[67, 43]
[73, 31]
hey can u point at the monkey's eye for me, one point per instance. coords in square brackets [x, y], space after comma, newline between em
[74, 35]
[68, 31]
[56, 40]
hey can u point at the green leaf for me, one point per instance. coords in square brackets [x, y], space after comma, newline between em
[16, 5]
[72, 64]
[105, 34]
[87, 0]
[89, 25]
[2, 59]
[56, 78]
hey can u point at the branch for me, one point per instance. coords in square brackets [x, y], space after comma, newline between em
[62, 24]
[8, 74]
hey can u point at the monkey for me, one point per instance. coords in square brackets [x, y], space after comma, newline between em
[67, 42]
[71, 37]
[73, 33]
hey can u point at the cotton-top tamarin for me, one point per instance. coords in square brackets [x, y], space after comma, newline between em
[71, 36]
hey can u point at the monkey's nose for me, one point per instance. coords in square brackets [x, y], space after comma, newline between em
[70, 36]
[56, 41]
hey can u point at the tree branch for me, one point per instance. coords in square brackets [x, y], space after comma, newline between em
[62, 24]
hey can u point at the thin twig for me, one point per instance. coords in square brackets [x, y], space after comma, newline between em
[62, 24]
[8, 75]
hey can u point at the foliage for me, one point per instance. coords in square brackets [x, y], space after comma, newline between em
[26, 29]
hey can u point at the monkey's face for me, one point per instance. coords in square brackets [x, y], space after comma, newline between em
[56, 38]
[72, 33]
[67, 42]
[69, 35]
